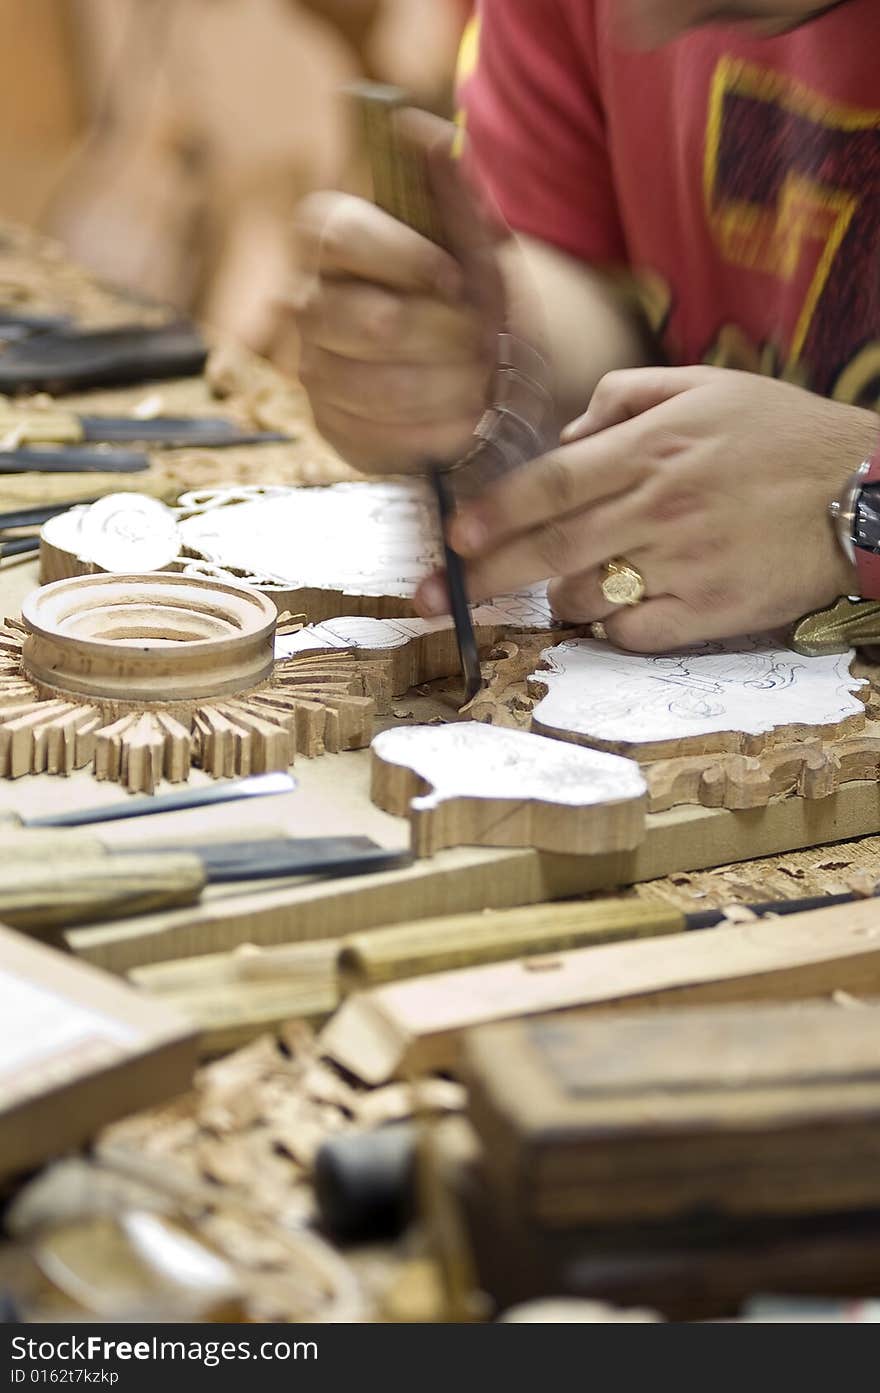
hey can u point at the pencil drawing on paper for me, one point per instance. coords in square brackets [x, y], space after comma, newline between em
[596, 693]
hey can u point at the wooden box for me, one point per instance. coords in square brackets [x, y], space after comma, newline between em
[729, 1111]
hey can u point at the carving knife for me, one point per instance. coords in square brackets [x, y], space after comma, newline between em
[401, 188]
[255, 786]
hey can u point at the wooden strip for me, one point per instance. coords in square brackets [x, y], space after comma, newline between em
[410, 1026]
[233, 997]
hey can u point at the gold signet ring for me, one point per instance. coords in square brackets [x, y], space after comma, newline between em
[623, 584]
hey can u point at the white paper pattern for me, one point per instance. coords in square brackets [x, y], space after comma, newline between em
[751, 685]
[471, 760]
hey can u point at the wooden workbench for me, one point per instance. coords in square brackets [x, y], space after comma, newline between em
[692, 857]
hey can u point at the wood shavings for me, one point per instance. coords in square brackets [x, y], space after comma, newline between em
[399, 1101]
[861, 883]
[845, 999]
[739, 914]
[149, 408]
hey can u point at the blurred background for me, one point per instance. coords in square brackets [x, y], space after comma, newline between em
[167, 142]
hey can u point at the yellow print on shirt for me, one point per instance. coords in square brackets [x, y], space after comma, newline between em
[791, 187]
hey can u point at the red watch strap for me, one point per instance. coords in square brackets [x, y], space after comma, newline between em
[868, 562]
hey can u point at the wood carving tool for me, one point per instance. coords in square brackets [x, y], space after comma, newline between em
[73, 461]
[14, 326]
[401, 187]
[35, 517]
[172, 432]
[18, 546]
[92, 883]
[468, 940]
[67, 360]
[256, 786]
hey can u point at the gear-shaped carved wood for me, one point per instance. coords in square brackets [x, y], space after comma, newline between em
[142, 678]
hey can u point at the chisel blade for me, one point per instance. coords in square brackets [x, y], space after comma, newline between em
[458, 600]
[174, 432]
[257, 786]
[274, 857]
[73, 461]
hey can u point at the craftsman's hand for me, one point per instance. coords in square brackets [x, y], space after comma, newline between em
[399, 337]
[714, 484]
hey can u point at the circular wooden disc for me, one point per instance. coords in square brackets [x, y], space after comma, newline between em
[154, 639]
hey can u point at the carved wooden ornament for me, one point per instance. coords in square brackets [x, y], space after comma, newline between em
[723, 725]
[736, 696]
[141, 677]
[471, 784]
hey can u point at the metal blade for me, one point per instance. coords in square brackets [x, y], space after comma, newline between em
[66, 360]
[174, 432]
[73, 461]
[20, 326]
[33, 517]
[288, 856]
[258, 786]
[17, 546]
[458, 601]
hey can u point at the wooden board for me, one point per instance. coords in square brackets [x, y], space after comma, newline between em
[655, 1116]
[410, 1026]
[467, 784]
[77, 1050]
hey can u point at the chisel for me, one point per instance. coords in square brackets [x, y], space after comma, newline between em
[401, 187]
[469, 940]
[87, 882]
[18, 546]
[173, 432]
[35, 517]
[14, 326]
[73, 461]
[229, 791]
[71, 359]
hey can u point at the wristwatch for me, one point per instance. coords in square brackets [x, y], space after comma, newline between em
[856, 516]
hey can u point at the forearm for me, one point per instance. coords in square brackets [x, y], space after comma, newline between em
[582, 319]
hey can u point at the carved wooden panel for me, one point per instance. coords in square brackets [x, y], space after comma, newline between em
[479, 785]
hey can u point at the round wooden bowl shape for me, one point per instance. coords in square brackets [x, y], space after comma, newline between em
[152, 639]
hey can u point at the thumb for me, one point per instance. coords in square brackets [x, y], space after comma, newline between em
[622, 395]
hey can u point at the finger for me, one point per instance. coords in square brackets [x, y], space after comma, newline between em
[339, 235]
[578, 599]
[620, 396]
[390, 447]
[360, 320]
[394, 393]
[660, 625]
[559, 483]
[564, 546]
[432, 596]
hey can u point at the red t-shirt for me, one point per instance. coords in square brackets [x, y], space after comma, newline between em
[739, 177]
